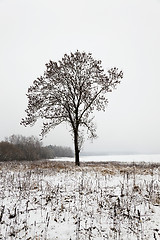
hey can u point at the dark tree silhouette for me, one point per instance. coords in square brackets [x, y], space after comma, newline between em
[69, 91]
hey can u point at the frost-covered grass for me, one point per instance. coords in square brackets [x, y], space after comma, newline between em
[52, 200]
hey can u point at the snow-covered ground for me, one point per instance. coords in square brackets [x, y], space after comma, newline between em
[152, 158]
[47, 200]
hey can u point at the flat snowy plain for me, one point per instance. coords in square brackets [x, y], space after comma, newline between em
[137, 158]
[56, 200]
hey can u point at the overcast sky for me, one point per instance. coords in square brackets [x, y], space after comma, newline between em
[121, 33]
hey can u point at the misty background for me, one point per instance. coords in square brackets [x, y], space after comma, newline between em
[121, 33]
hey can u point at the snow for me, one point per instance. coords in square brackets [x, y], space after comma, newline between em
[48, 201]
[117, 158]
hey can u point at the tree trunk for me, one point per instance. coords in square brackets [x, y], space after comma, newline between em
[77, 163]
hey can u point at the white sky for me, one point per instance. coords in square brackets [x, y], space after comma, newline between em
[122, 33]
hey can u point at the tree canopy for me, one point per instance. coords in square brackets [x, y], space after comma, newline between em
[69, 91]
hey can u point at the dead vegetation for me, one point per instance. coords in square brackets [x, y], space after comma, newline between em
[56, 200]
[104, 167]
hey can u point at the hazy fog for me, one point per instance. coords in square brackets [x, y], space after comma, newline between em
[121, 33]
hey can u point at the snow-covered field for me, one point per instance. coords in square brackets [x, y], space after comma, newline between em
[56, 200]
[152, 158]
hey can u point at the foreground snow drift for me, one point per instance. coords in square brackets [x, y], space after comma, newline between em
[45, 201]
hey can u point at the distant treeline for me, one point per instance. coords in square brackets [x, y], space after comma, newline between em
[18, 147]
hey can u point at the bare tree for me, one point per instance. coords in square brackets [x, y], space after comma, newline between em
[69, 91]
[26, 148]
